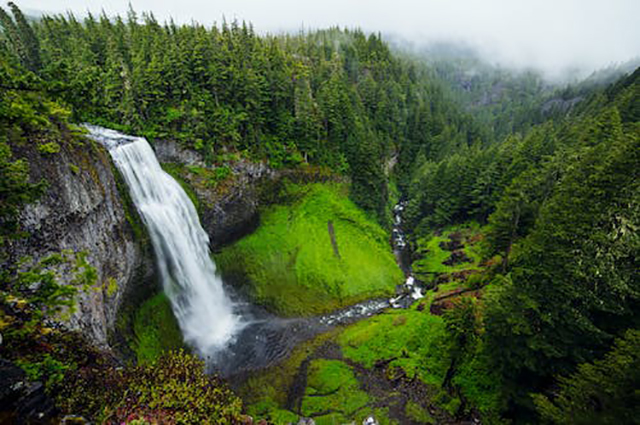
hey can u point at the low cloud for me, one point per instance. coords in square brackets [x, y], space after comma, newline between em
[551, 35]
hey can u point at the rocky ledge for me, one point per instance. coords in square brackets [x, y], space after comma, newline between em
[229, 208]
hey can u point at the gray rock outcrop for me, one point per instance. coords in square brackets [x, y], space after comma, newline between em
[84, 210]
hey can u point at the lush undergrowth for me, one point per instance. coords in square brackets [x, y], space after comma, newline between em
[313, 382]
[172, 389]
[415, 365]
[314, 254]
[156, 329]
[453, 249]
[391, 366]
[195, 179]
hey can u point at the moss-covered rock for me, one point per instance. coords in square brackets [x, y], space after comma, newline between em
[317, 253]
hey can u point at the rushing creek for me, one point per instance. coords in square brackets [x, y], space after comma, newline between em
[233, 335]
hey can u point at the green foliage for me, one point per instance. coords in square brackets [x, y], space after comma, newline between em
[290, 261]
[15, 191]
[33, 295]
[335, 98]
[156, 329]
[112, 287]
[210, 178]
[49, 148]
[560, 200]
[19, 36]
[430, 256]
[573, 282]
[469, 184]
[26, 115]
[48, 370]
[479, 383]
[603, 392]
[34, 292]
[418, 414]
[561, 203]
[74, 169]
[266, 391]
[32, 299]
[502, 100]
[271, 412]
[174, 388]
[462, 325]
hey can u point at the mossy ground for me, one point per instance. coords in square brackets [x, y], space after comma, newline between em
[393, 365]
[155, 329]
[291, 264]
[337, 378]
[408, 339]
[418, 414]
[333, 389]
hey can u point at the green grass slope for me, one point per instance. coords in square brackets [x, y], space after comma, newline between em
[291, 265]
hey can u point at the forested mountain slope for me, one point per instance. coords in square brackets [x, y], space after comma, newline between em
[534, 209]
[335, 98]
[561, 203]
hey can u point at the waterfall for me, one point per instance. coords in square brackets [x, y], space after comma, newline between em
[203, 309]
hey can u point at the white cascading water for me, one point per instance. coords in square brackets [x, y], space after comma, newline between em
[203, 309]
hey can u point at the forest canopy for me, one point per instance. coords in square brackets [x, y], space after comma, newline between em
[550, 176]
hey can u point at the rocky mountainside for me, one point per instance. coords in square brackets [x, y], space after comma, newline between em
[85, 209]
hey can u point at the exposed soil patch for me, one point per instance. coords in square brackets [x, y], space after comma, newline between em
[451, 244]
[457, 257]
[392, 389]
[463, 275]
[441, 278]
[332, 235]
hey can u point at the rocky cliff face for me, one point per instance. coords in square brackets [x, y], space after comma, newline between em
[83, 210]
[227, 214]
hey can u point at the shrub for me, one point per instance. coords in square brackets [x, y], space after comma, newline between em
[175, 389]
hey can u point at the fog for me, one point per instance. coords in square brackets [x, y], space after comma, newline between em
[553, 36]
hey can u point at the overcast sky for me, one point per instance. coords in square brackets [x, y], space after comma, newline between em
[551, 35]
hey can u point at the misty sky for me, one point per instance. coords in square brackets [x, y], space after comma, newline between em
[551, 35]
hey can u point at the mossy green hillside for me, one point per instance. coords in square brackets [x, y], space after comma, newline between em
[331, 392]
[413, 341]
[317, 253]
[409, 343]
[265, 392]
[156, 329]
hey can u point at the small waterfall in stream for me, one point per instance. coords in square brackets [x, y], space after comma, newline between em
[403, 255]
[203, 309]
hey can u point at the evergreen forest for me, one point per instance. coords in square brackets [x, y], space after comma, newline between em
[518, 200]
